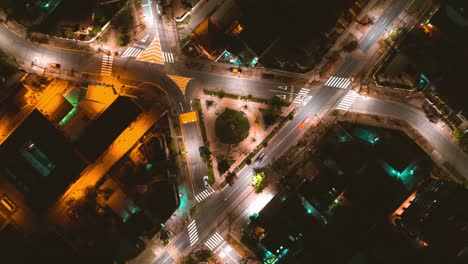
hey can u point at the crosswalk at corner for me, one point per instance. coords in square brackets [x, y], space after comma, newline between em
[302, 97]
[192, 233]
[215, 240]
[203, 195]
[348, 100]
[132, 52]
[106, 65]
[338, 82]
[168, 57]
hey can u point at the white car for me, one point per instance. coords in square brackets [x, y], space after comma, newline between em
[205, 181]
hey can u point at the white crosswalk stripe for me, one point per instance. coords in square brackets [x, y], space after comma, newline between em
[338, 82]
[203, 195]
[106, 65]
[302, 97]
[192, 232]
[214, 241]
[168, 57]
[348, 100]
[132, 52]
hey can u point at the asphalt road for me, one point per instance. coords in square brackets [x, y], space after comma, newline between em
[218, 207]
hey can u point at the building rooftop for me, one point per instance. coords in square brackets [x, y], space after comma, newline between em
[39, 160]
[107, 127]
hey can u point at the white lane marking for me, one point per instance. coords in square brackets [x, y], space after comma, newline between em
[192, 232]
[203, 195]
[338, 82]
[214, 241]
[106, 65]
[348, 101]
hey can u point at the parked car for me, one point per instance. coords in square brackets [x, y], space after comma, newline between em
[235, 70]
[205, 181]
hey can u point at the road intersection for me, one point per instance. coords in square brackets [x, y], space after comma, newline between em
[209, 223]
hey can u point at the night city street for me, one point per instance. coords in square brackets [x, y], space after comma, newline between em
[233, 131]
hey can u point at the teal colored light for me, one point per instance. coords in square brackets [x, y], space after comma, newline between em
[254, 62]
[366, 135]
[283, 198]
[37, 158]
[134, 209]
[183, 206]
[68, 116]
[46, 5]
[149, 166]
[405, 176]
[255, 215]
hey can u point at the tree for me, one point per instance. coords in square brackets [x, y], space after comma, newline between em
[68, 32]
[223, 166]
[259, 180]
[205, 153]
[232, 127]
[221, 94]
[230, 178]
[350, 46]
[204, 254]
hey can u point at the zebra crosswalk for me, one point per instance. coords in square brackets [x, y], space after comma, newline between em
[192, 232]
[338, 82]
[302, 97]
[348, 100]
[168, 57]
[106, 65]
[214, 241]
[203, 195]
[132, 52]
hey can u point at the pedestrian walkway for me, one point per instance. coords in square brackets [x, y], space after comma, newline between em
[132, 52]
[106, 65]
[153, 53]
[192, 233]
[348, 100]
[302, 97]
[214, 241]
[338, 82]
[168, 57]
[203, 195]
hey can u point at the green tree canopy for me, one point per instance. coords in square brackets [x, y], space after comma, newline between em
[232, 127]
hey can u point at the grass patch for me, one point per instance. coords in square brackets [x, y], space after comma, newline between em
[206, 144]
[221, 94]
[223, 184]
[210, 175]
[185, 40]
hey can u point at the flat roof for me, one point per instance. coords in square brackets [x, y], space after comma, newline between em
[39, 160]
[107, 127]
